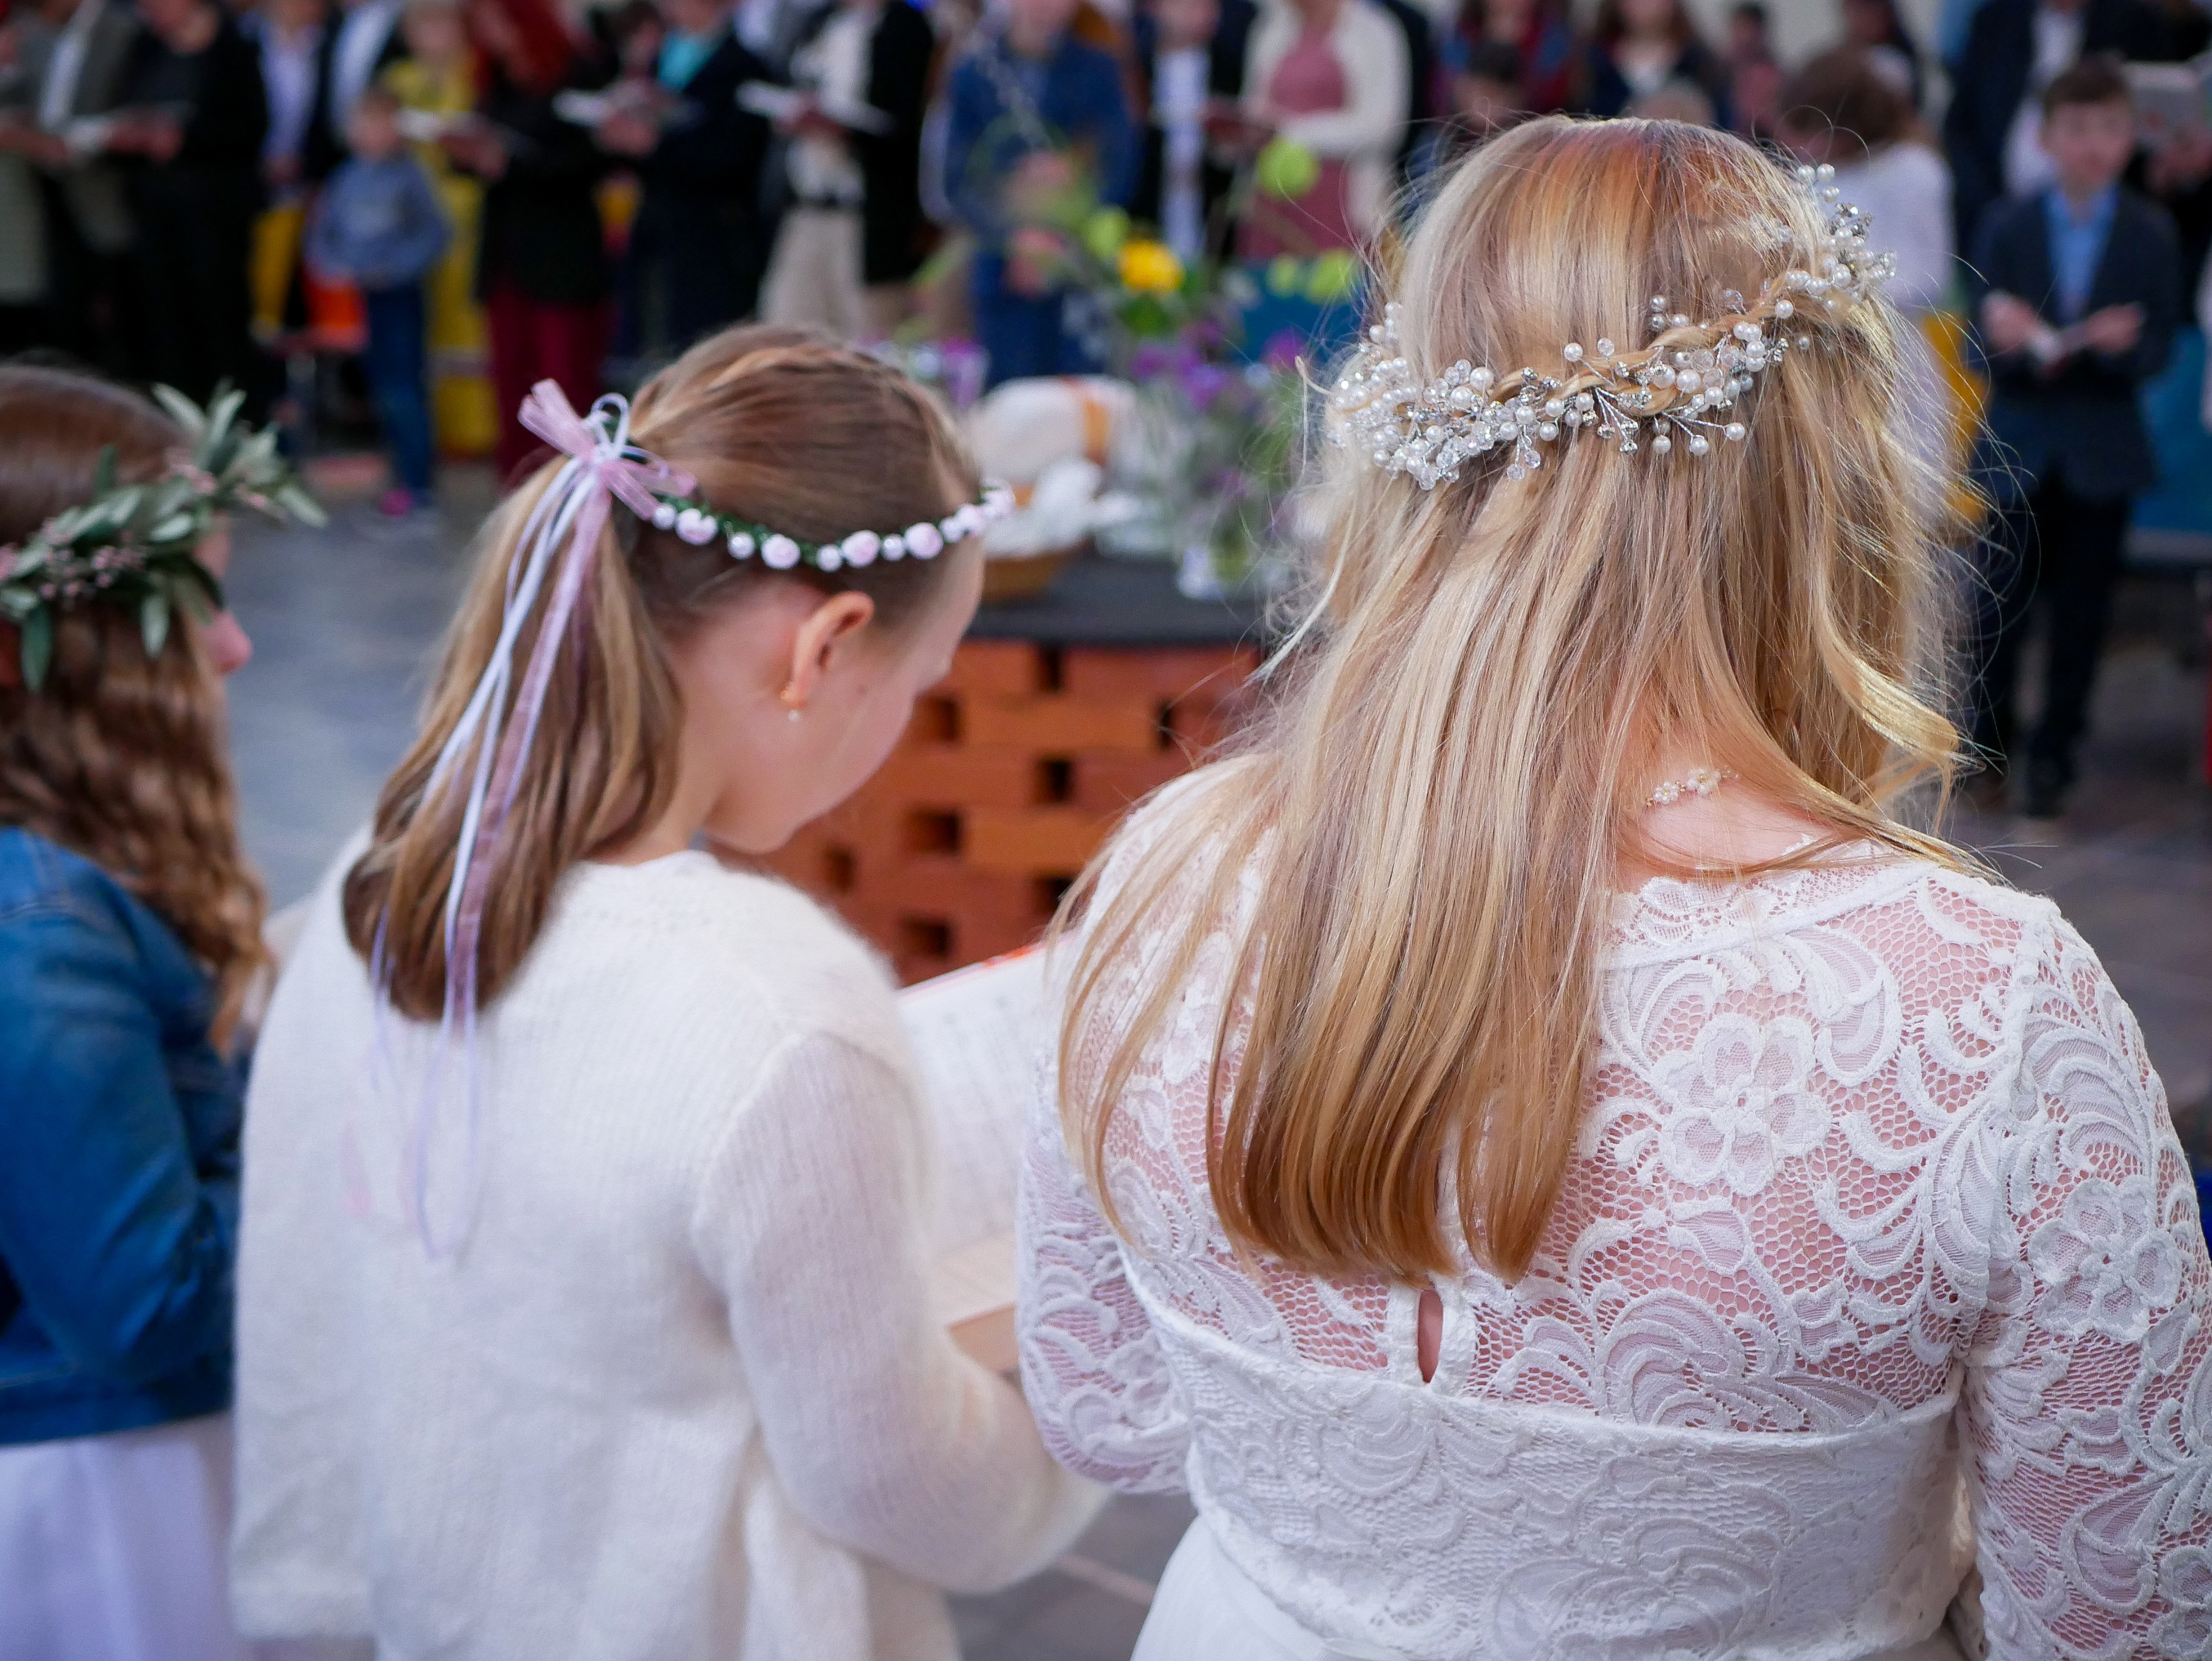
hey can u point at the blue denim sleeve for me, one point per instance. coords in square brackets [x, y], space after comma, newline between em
[122, 1250]
[426, 234]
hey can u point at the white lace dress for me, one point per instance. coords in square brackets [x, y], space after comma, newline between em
[1880, 1260]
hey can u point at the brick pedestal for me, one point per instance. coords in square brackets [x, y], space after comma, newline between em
[1011, 776]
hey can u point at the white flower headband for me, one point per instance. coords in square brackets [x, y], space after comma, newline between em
[1677, 383]
[700, 523]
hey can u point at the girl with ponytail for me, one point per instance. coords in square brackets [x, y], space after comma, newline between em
[1544, 1150]
[583, 1308]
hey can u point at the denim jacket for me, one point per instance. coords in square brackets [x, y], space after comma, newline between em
[118, 1159]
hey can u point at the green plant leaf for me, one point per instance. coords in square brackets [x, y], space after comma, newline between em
[153, 621]
[38, 631]
[103, 471]
[183, 411]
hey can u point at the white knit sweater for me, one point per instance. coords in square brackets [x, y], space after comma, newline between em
[680, 1393]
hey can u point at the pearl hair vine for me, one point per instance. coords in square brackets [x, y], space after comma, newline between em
[1683, 384]
[700, 523]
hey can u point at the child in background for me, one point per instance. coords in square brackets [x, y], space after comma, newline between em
[437, 80]
[379, 222]
[2077, 294]
[1033, 112]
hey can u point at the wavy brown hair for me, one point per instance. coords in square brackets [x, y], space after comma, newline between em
[779, 426]
[1447, 800]
[120, 757]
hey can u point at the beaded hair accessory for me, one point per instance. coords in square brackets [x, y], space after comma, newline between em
[1684, 383]
[133, 546]
[700, 523]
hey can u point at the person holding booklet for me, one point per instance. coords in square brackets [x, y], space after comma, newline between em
[1553, 1160]
[584, 1298]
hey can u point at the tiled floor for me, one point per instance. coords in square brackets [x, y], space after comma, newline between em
[345, 620]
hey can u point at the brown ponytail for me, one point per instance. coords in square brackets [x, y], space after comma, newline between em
[779, 426]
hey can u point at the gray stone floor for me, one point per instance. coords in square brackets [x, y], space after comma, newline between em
[345, 619]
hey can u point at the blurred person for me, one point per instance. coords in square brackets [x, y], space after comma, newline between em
[1876, 28]
[693, 1218]
[378, 224]
[1332, 77]
[542, 266]
[130, 944]
[1540, 1138]
[2076, 293]
[1190, 63]
[1032, 114]
[365, 42]
[2014, 49]
[697, 156]
[195, 121]
[435, 82]
[1845, 109]
[80, 54]
[852, 232]
[1754, 74]
[291, 36]
[23, 235]
[1546, 52]
[1486, 101]
[1638, 46]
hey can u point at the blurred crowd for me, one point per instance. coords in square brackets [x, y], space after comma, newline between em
[455, 198]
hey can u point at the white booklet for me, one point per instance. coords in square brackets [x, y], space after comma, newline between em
[980, 1035]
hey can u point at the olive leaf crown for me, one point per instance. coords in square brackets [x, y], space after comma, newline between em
[133, 545]
[1682, 385]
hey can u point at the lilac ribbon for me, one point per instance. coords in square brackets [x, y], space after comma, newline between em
[564, 529]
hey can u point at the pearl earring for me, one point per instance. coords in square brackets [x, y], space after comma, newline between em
[792, 703]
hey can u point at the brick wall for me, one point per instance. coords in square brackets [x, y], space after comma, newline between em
[1009, 778]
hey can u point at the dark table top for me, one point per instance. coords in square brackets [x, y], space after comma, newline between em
[1102, 602]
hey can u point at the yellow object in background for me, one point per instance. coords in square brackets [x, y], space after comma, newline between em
[1945, 335]
[462, 411]
[1150, 268]
[277, 235]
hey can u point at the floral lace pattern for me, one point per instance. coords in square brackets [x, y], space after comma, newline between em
[1878, 1240]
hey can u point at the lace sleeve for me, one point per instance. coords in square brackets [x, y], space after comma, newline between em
[2088, 1397]
[1092, 1366]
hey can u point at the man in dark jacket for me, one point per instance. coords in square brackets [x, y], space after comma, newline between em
[853, 233]
[2077, 294]
[2014, 50]
[1190, 56]
[693, 268]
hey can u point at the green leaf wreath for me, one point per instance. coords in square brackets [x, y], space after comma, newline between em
[135, 546]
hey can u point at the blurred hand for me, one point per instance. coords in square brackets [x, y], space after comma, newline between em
[164, 137]
[476, 147]
[627, 133]
[2009, 322]
[21, 138]
[1043, 173]
[811, 123]
[2181, 165]
[2113, 330]
[282, 171]
[1033, 257]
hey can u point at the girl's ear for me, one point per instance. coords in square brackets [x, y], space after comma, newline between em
[832, 624]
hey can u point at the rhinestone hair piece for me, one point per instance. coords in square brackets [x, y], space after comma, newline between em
[1682, 385]
[700, 523]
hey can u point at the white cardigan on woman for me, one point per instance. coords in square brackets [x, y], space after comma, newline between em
[1365, 134]
[680, 1392]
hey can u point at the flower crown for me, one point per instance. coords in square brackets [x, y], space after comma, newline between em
[700, 522]
[132, 545]
[1684, 382]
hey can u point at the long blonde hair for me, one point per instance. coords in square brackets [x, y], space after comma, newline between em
[120, 757]
[777, 425]
[1447, 795]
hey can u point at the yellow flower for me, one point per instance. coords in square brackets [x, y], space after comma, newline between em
[1150, 268]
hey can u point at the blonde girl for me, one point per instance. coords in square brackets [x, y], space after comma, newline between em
[1551, 1162]
[583, 1302]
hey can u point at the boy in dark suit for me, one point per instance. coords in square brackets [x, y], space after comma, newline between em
[2077, 292]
